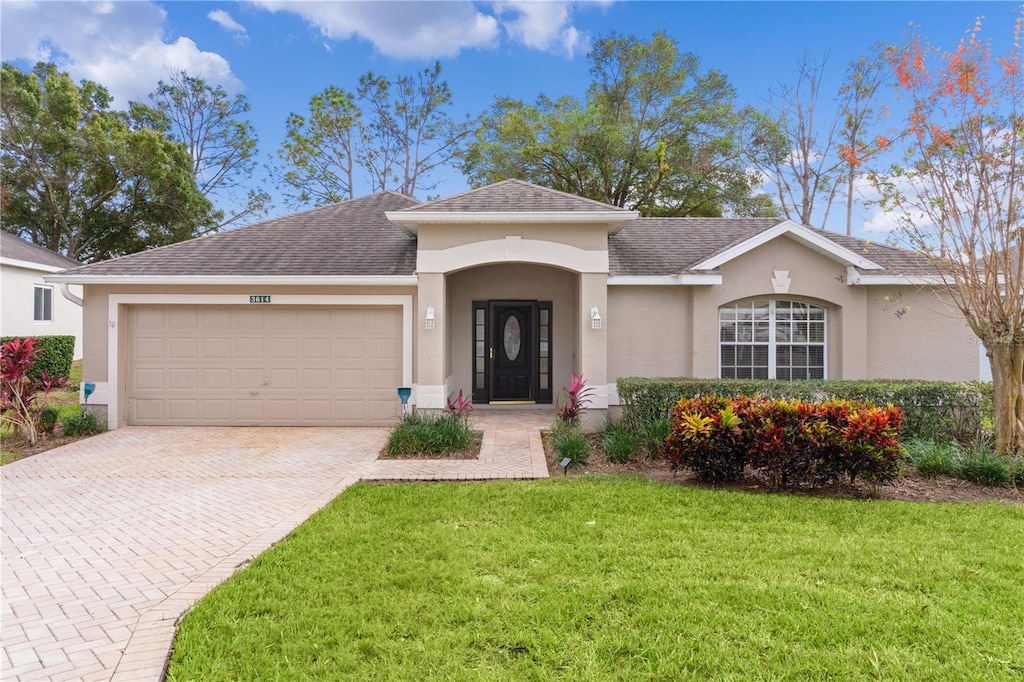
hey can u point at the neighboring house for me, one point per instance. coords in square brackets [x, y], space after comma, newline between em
[502, 292]
[30, 306]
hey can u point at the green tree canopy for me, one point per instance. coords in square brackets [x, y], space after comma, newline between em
[655, 133]
[86, 181]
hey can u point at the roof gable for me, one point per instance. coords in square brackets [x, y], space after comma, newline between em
[513, 201]
[813, 239]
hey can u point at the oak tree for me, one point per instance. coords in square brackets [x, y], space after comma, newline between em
[87, 181]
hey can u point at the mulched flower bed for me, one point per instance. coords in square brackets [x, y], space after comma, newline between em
[909, 487]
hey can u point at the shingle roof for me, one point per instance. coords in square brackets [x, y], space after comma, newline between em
[512, 196]
[348, 238]
[669, 246]
[16, 248]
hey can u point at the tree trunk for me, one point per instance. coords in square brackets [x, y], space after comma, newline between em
[1008, 396]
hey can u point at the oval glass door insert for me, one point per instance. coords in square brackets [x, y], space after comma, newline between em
[512, 338]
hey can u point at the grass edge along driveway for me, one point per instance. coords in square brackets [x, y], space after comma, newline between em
[619, 578]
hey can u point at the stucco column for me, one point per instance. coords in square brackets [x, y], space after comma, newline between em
[853, 353]
[431, 346]
[593, 350]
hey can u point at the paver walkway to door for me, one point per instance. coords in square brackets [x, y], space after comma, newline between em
[106, 542]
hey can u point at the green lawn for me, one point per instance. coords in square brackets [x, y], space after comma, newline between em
[576, 579]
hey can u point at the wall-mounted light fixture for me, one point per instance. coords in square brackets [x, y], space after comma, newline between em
[595, 318]
[430, 317]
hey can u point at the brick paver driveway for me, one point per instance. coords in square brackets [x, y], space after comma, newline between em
[108, 540]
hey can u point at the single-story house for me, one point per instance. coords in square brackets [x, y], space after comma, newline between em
[30, 306]
[501, 292]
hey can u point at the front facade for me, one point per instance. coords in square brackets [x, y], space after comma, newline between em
[500, 293]
[31, 306]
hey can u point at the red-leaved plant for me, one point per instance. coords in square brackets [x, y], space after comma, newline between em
[22, 397]
[460, 406]
[577, 397]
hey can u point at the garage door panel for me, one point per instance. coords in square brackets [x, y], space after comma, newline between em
[313, 365]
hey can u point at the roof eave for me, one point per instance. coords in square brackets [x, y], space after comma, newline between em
[411, 219]
[255, 280]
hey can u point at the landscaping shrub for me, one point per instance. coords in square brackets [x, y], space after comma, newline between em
[48, 419]
[576, 399]
[56, 353]
[786, 442]
[422, 432]
[981, 465]
[934, 410]
[568, 440]
[653, 435]
[618, 442]
[82, 424]
[23, 392]
[931, 459]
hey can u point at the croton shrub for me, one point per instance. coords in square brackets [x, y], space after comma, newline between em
[787, 442]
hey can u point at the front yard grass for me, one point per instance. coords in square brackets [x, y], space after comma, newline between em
[619, 578]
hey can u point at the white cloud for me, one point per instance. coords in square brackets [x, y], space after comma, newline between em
[120, 45]
[542, 25]
[227, 22]
[423, 30]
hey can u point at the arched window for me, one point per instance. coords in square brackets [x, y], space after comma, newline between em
[771, 339]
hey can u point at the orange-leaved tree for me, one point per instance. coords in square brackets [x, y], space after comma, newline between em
[958, 194]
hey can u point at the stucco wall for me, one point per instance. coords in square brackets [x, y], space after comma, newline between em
[511, 282]
[17, 307]
[649, 331]
[917, 334]
[590, 237]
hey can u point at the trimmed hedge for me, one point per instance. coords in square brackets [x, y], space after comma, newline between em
[55, 355]
[787, 442]
[933, 410]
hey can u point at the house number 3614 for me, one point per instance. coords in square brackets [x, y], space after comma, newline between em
[259, 298]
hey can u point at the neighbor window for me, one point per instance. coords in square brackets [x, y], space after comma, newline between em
[43, 304]
[771, 339]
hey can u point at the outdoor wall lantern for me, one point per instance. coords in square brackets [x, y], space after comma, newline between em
[595, 318]
[430, 317]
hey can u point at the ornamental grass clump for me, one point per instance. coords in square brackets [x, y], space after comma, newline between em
[435, 434]
[618, 441]
[784, 442]
[569, 441]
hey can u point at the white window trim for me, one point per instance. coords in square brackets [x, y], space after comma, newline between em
[115, 301]
[45, 287]
[772, 343]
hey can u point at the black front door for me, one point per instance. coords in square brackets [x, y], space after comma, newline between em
[513, 370]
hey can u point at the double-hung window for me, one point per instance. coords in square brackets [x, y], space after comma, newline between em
[43, 304]
[772, 339]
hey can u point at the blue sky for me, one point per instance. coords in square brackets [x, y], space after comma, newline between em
[281, 53]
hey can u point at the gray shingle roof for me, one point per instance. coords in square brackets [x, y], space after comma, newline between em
[348, 238]
[356, 238]
[669, 246]
[17, 248]
[512, 196]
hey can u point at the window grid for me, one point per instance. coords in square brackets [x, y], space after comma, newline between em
[772, 339]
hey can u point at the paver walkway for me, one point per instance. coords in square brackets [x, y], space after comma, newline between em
[106, 542]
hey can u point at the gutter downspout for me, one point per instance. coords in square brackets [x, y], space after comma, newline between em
[65, 291]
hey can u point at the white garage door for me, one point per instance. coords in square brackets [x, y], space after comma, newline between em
[272, 365]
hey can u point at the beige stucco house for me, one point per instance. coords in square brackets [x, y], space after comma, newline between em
[502, 292]
[31, 306]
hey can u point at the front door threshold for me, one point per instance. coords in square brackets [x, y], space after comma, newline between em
[512, 402]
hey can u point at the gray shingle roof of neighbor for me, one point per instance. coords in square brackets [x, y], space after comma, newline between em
[16, 248]
[512, 196]
[344, 239]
